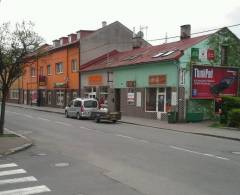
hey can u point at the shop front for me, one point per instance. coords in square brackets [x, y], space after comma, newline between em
[148, 90]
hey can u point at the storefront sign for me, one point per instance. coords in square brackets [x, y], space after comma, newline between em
[95, 80]
[130, 98]
[211, 82]
[157, 79]
[130, 83]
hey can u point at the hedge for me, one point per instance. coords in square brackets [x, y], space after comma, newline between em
[234, 117]
[229, 103]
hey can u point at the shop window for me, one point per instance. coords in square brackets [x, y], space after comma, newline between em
[60, 98]
[59, 68]
[49, 96]
[74, 65]
[90, 92]
[103, 94]
[131, 96]
[151, 99]
[75, 94]
[14, 94]
[49, 72]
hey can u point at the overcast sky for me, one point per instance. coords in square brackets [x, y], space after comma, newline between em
[56, 18]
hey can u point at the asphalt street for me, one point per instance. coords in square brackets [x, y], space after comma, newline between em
[81, 157]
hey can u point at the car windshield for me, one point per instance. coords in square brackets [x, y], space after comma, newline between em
[90, 104]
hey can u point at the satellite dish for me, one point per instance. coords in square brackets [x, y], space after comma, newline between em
[140, 34]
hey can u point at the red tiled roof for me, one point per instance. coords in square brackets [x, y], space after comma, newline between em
[142, 55]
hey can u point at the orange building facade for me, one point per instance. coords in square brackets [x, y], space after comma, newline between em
[52, 75]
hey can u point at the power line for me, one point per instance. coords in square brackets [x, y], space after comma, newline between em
[206, 31]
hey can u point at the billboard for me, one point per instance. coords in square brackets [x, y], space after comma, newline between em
[211, 82]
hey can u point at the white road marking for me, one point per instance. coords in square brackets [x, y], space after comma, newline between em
[62, 123]
[26, 191]
[44, 119]
[12, 172]
[18, 180]
[132, 138]
[28, 116]
[8, 165]
[199, 153]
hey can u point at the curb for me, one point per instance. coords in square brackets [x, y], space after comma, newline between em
[50, 111]
[187, 132]
[19, 148]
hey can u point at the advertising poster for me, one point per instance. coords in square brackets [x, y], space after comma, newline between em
[211, 82]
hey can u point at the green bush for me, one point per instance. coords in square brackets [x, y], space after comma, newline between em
[234, 117]
[229, 103]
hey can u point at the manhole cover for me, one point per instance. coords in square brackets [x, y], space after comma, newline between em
[62, 164]
[236, 153]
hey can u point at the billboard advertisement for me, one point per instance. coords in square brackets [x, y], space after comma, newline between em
[211, 82]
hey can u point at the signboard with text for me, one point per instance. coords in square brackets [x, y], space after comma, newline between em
[211, 82]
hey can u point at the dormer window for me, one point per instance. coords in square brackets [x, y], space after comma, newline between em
[224, 55]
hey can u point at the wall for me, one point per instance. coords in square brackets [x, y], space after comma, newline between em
[141, 73]
[114, 36]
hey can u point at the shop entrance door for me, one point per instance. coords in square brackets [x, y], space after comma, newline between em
[161, 101]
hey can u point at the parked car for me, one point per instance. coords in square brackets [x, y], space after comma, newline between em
[81, 108]
[104, 114]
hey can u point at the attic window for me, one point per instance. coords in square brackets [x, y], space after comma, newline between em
[158, 55]
[168, 53]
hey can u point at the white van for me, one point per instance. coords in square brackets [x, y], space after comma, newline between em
[81, 108]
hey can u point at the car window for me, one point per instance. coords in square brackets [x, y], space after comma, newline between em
[90, 104]
[70, 104]
[77, 103]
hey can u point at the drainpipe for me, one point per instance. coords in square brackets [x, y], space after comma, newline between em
[79, 72]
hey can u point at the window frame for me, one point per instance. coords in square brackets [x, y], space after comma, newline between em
[49, 69]
[57, 69]
[74, 66]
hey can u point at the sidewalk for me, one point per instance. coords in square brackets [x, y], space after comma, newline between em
[200, 128]
[10, 145]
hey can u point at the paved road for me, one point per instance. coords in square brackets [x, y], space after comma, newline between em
[72, 157]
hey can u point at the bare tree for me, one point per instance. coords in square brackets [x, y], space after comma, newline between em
[15, 45]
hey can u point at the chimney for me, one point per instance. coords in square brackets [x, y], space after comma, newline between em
[104, 23]
[138, 40]
[63, 41]
[72, 37]
[185, 31]
[56, 43]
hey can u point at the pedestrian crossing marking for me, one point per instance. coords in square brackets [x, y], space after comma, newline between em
[8, 165]
[26, 191]
[23, 180]
[17, 180]
[12, 172]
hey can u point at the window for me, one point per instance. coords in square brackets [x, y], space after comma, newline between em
[33, 71]
[110, 77]
[49, 72]
[74, 65]
[60, 98]
[14, 94]
[224, 55]
[75, 94]
[158, 55]
[59, 68]
[77, 103]
[151, 99]
[41, 71]
[49, 96]
[90, 104]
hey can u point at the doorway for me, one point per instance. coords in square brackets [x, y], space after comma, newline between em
[161, 102]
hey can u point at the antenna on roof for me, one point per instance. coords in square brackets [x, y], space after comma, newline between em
[166, 37]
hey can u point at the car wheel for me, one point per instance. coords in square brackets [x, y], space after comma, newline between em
[66, 114]
[114, 121]
[78, 116]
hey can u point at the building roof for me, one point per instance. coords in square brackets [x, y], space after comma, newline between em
[163, 52]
